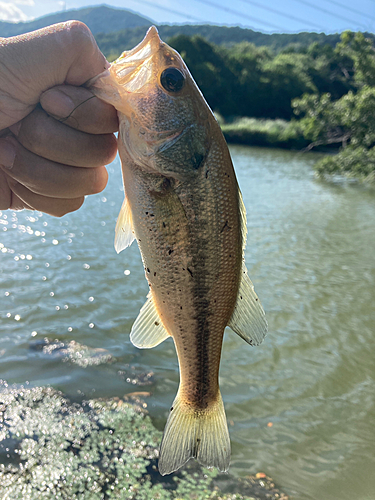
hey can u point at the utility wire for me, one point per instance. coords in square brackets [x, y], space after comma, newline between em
[240, 14]
[288, 16]
[350, 9]
[334, 14]
[181, 14]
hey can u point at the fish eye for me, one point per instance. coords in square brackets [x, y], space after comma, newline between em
[172, 79]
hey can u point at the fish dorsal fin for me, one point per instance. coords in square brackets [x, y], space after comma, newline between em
[248, 319]
[148, 330]
[124, 233]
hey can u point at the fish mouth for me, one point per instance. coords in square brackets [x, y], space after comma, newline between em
[132, 70]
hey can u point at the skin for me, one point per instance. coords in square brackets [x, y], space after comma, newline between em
[55, 135]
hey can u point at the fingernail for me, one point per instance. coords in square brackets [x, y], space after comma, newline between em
[7, 153]
[57, 103]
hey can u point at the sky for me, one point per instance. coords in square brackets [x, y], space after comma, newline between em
[269, 16]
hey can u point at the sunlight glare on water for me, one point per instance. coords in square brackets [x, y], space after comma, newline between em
[300, 407]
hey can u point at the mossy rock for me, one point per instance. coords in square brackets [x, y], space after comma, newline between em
[51, 448]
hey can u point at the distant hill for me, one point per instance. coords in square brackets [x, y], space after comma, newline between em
[101, 19]
[115, 43]
[118, 29]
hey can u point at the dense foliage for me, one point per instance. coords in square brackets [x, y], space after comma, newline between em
[245, 80]
[327, 91]
[348, 120]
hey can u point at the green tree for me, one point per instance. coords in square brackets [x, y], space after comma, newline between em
[209, 69]
[350, 119]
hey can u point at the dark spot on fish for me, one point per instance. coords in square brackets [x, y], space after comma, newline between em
[172, 408]
[181, 308]
[241, 297]
[207, 172]
[170, 251]
[198, 440]
[156, 323]
[225, 226]
[146, 213]
[166, 183]
[256, 300]
[152, 215]
[196, 160]
[163, 224]
[148, 270]
[155, 274]
[230, 255]
[250, 342]
[190, 272]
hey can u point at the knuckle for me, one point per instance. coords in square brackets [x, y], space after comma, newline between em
[81, 37]
[78, 30]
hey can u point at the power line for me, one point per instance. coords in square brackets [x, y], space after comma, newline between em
[288, 16]
[334, 14]
[240, 14]
[350, 9]
[181, 14]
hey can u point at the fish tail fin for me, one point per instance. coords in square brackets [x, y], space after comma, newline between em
[195, 433]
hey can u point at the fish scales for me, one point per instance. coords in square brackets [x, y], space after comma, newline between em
[189, 266]
[184, 208]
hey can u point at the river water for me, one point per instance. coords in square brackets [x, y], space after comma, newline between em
[300, 407]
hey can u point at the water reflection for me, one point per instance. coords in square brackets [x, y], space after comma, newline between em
[300, 406]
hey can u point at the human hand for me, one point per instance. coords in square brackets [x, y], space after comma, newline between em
[55, 135]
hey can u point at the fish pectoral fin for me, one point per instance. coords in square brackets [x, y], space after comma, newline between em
[124, 233]
[248, 319]
[148, 331]
[192, 433]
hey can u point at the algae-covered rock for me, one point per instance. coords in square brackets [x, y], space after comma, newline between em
[72, 351]
[97, 450]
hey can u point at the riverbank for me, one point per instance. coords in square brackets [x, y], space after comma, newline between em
[262, 132]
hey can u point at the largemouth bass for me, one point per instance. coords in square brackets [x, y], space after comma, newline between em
[184, 208]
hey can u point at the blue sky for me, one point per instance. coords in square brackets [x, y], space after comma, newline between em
[329, 16]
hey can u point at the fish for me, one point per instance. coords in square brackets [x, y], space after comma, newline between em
[184, 208]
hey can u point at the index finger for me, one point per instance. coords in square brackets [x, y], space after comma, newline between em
[80, 109]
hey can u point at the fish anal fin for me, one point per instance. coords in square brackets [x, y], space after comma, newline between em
[148, 331]
[192, 433]
[124, 233]
[248, 319]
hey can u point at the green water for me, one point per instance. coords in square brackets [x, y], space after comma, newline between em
[311, 256]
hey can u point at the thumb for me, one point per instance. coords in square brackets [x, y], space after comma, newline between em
[34, 62]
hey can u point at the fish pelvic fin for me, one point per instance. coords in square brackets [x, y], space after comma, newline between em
[124, 233]
[248, 319]
[195, 433]
[148, 331]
